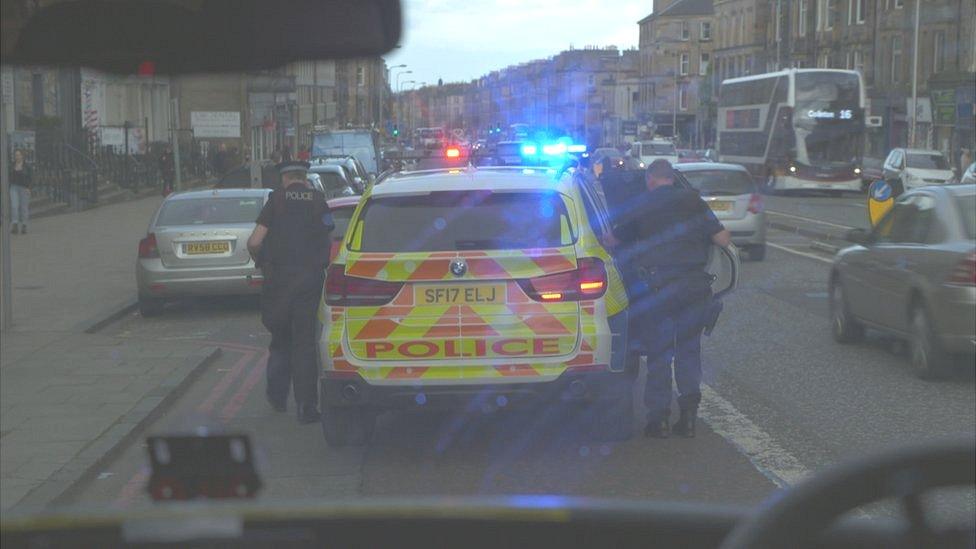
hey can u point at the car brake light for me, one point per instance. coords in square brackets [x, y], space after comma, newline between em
[755, 203]
[453, 152]
[588, 281]
[148, 248]
[964, 273]
[352, 291]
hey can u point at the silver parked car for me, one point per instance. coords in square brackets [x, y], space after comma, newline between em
[913, 275]
[731, 193]
[197, 246]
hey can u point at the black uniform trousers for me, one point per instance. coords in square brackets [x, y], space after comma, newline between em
[667, 313]
[289, 302]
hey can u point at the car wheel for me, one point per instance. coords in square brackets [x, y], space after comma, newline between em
[845, 328]
[928, 359]
[347, 426]
[757, 252]
[151, 306]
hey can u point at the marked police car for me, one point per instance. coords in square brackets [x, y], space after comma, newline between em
[485, 284]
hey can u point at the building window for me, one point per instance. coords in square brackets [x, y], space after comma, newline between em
[899, 4]
[685, 31]
[825, 19]
[705, 30]
[860, 11]
[895, 59]
[801, 18]
[703, 63]
[360, 77]
[824, 61]
[938, 51]
[683, 64]
[683, 97]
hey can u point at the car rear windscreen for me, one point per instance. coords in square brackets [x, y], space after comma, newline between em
[465, 220]
[649, 149]
[720, 182]
[210, 211]
[927, 161]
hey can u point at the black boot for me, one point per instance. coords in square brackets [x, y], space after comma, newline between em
[277, 404]
[685, 426]
[307, 413]
[658, 426]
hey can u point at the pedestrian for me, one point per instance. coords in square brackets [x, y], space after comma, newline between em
[291, 244]
[168, 170]
[664, 240]
[21, 178]
[965, 159]
[220, 160]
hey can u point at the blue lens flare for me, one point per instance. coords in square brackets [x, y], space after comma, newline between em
[529, 150]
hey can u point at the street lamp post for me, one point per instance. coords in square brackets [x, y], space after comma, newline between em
[912, 129]
[399, 74]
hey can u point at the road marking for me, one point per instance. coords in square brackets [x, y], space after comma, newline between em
[218, 390]
[804, 254]
[810, 219]
[236, 402]
[766, 455]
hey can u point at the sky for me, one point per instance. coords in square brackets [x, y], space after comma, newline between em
[459, 40]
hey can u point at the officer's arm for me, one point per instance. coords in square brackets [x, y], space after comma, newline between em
[723, 238]
[256, 240]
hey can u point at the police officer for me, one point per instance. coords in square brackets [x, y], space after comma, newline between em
[664, 242]
[291, 245]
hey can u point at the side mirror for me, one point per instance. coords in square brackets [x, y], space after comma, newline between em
[858, 236]
[723, 266]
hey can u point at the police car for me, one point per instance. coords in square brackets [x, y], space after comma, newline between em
[486, 284]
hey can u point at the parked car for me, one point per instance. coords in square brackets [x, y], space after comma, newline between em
[333, 179]
[196, 245]
[917, 167]
[969, 176]
[649, 151]
[913, 275]
[734, 197]
[354, 170]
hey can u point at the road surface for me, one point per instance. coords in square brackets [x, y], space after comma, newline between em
[782, 400]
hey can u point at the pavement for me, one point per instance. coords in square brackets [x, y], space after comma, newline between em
[67, 396]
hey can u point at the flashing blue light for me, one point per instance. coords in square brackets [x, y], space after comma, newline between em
[576, 148]
[529, 150]
[554, 149]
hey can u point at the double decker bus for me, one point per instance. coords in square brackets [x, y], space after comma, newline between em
[795, 129]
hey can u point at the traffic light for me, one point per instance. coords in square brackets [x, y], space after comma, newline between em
[396, 130]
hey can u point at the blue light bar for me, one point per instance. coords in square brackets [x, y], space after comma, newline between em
[554, 149]
[576, 148]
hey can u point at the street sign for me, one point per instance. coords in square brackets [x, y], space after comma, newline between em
[628, 127]
[216, 124]
[880, 199]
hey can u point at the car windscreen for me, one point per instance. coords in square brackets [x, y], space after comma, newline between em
[332, 183]
[720, 182]
[927, 161]
[210, 211]
[465, 220]
[967, 207]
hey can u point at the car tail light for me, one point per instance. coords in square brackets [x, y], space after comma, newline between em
[334, 249]
[352, 291]
[453, 152]
[964, 273]
[148, 248]
[588, 281]
[755, 203]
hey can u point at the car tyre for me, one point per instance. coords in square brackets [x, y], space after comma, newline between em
[344, 426]
[927, 358]
[757, 252]
[845, 328]
[151, 306]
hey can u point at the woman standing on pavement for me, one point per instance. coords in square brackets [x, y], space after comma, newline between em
[21, 178]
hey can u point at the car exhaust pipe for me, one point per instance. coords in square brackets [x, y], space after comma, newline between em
[350, 392]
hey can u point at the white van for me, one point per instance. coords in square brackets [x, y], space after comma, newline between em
[649, 151]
